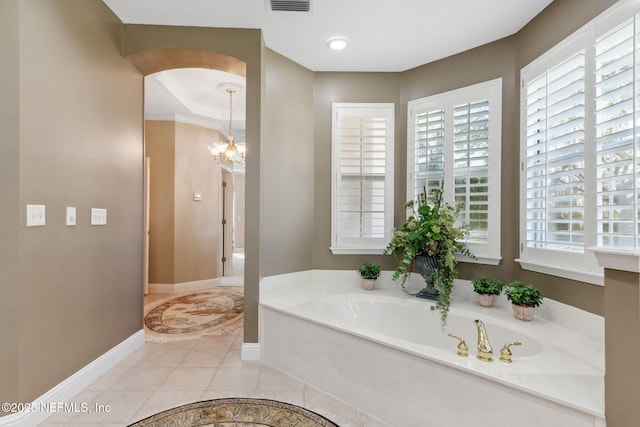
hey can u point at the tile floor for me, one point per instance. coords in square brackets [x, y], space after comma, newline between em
[161, 376]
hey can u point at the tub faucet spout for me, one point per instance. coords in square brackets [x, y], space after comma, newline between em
[485, 352]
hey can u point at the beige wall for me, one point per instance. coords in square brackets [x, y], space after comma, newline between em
[76, 291]
[184, 234]
[160, 148]
[197, 224]
[10, 205]
[560, 19]
[622, 347]
[287, 166]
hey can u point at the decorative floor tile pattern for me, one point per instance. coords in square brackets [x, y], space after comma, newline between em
[236, 412]
[216, 311]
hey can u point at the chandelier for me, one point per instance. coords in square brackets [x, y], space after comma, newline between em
[229, 151]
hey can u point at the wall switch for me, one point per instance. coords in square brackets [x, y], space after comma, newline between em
[71, 216]
[98, 216]
[36, 216]
[197, 197]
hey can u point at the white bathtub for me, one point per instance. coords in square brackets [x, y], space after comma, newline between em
[387, 354]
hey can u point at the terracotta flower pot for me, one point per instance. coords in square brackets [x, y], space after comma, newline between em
[368, 284]
[523, 312]
[486, 300]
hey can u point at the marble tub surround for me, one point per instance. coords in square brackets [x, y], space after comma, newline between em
[310, 319]
[290, 289]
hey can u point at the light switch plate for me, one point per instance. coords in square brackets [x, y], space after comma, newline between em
[98, 216]
[71, 216]
[36, 216]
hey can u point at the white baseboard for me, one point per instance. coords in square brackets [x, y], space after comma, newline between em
[73, 385]
[231, 281]
[251, 351]
[176, 288]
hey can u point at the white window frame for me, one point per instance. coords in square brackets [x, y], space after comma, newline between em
[488, 253]
[582, 266]
[375, 246]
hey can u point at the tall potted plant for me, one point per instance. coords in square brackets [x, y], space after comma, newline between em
[429, 241]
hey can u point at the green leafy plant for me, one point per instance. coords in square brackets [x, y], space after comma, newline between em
[369, 271]
[520, 293]
[487, 286]
[430, 230]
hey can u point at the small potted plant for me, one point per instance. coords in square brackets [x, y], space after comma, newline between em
[487, 289]
[369, 273]
[524, 299]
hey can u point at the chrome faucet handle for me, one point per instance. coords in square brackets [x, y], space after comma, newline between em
[463, 350]
[505, 353]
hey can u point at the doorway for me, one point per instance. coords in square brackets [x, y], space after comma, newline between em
[191, 260]
[232, 242]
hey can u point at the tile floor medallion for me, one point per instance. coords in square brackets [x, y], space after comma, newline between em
[237, 412]
[212, 312]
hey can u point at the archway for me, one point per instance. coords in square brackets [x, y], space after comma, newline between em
[152, 48]
[150, 63]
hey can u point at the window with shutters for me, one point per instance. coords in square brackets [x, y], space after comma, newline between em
[580, 155]
[454, 142]
[362, 184]
[555, 131]
[617, 156]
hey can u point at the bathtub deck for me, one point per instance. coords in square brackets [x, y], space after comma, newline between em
[568, 372]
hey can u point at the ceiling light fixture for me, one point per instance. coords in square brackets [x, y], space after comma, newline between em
[229, 151]
[337, 43]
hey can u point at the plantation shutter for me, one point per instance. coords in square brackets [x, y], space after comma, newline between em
[580, 155]
[363, 153]
[429, 151]
[471, 166]
[616, 165]
[454, 143]
[555, 132]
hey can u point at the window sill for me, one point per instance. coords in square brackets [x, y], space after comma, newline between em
[356, 251]
[488, 260]
[380, 251]
[582, 276]
[617, 259]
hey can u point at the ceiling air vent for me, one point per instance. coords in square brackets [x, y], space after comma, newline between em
[290, 5]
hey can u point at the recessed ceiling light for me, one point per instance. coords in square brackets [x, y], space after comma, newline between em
[337, 43]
